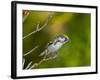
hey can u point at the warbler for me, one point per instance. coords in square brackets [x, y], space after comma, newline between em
[53, 46]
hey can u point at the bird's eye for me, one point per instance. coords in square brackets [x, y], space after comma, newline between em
[66, 39]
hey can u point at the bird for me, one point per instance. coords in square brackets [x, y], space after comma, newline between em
[53, 46]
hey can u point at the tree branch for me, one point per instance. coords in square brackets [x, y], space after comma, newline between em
[42, 60]
[33, 32]
[28, 66]
[37, 27]
[31, 51]
[23, 62]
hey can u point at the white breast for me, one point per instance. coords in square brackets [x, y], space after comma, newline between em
[54, 48]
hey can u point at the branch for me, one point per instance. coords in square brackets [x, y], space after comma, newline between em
[28, 66]
[41, 61]
[37, 27]
[33, 32]
[23, 62]
[26, 55]
[31, 51]
[37, 64]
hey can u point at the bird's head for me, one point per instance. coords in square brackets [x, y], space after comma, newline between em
[62, 38]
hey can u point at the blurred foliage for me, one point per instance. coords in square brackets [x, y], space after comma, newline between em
[75, 53]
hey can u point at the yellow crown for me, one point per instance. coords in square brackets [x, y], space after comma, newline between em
[65, 36]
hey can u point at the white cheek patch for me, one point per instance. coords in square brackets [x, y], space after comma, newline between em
[62, 39]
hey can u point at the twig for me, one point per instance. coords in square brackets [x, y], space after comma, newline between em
[23, 62]
[36, 64]
[28, 66]
[47, 21]
[37, 27]
[31, 51]
[33, 32]
[42, 60]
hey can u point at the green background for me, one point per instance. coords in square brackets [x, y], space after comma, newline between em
[76, 26]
